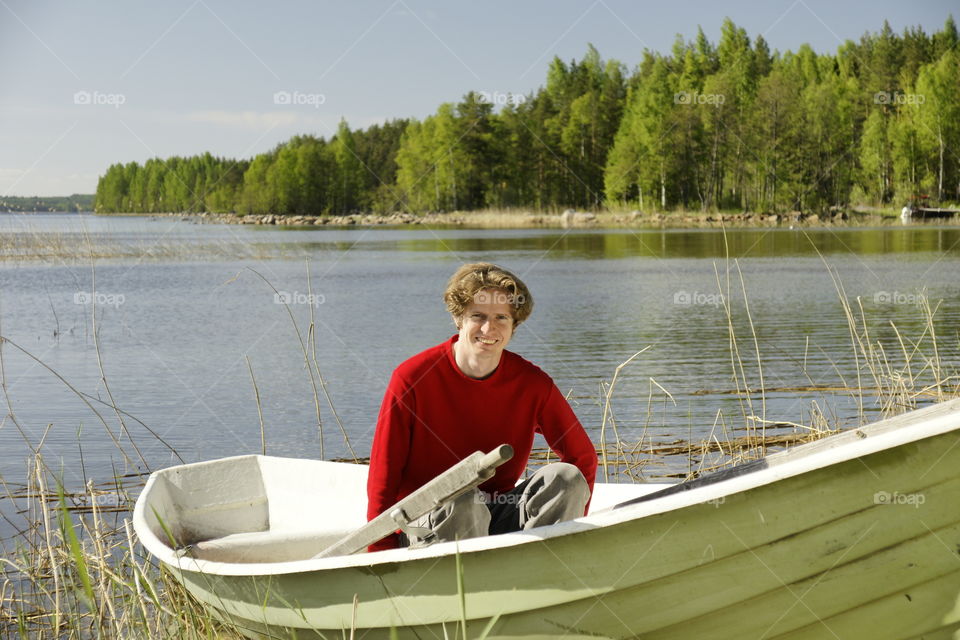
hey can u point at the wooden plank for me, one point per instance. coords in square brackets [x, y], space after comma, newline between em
[467, 474]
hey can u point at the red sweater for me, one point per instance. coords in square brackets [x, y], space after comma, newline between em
[433, 416]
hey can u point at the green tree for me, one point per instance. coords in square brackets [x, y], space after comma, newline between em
[349, 174]
[645, 156]
[937, 105]
[876, 158]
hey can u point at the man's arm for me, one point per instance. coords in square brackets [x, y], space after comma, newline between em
[388, 455]
[566, 436]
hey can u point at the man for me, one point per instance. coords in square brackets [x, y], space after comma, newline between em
[468, 394]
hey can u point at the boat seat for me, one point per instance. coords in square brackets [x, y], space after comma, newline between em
[265, 546]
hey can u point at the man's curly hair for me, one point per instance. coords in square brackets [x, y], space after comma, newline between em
[470, 282]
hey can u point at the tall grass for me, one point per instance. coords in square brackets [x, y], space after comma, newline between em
[891, 379]
[57, 247]
[74, 569]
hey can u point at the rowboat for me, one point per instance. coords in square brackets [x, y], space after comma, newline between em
[909, 213]
[853, 536]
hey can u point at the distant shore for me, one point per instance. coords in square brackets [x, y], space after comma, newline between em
[569, 219]
[500, 219]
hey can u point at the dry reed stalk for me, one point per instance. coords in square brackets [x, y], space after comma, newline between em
[306, 360]
[313, 373]
[256, 393]
[735, 360]
[129, 597]
[103, 376]
[316, 366]
[607, 411]
[756, 348]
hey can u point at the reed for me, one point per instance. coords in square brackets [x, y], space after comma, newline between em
[74, 570]
[892, 377]
[57, 247]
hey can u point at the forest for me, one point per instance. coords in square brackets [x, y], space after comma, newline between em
[707, 127]
[38, 204]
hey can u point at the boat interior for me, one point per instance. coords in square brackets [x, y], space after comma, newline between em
[264, 509]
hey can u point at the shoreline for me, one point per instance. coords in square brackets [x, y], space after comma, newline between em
[570, 219]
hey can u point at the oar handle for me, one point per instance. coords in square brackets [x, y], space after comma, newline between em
[493, 459]
[470, 472]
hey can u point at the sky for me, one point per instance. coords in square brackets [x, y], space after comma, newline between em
[87, 84]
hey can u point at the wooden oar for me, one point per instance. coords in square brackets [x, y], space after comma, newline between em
[470, 472]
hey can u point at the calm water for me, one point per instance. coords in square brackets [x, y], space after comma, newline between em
[180, 311]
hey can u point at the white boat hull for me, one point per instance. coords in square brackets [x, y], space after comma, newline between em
[800, 546]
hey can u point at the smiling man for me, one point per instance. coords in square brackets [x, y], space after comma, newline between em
[470, 393]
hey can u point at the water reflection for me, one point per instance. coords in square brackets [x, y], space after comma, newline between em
[740, 243]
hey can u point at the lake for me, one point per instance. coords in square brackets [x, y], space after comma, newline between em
[185, 311]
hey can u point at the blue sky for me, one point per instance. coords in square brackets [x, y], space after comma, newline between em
[87, 84]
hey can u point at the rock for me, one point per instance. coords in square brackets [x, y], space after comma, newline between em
[571, 218]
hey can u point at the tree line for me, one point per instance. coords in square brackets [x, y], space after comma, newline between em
[731, 125]
[72, 203]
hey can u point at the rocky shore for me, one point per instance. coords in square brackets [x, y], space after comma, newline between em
[566, 220]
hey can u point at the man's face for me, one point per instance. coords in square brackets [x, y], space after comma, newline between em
[487, 324]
